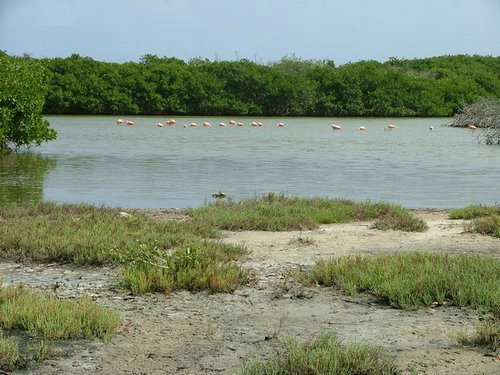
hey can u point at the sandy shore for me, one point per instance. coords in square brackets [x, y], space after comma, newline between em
[186, 333]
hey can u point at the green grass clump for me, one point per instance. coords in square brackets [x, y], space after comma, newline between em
[484, 219]
[50, 318]
[277, 212]
[198, 266]
[473, 211]
[411, 280]
[9, 353]
[84, 234]
[325, 355]
[156, 255]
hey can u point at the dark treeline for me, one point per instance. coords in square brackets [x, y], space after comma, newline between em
[436, 86]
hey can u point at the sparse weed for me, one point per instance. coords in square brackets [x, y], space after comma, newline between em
[324, 355]
[487, 333]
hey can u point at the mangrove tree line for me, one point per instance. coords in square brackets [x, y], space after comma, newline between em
[436, 86]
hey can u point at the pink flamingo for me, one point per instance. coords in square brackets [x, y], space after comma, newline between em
[193, 125]
[336, 127]
[222, 124]
[232, 122]
[240, 124]
[207, 124]
[130, 123]
[390, 127]
[159, 125]
[171, 122]
[280, 125]
[472, 127]
[362, 129]
[120, 121]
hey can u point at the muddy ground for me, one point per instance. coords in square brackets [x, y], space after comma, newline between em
[186, 333]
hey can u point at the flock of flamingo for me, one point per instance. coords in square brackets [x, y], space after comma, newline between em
[206, 124]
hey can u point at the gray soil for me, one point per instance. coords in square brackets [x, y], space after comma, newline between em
[185, 333]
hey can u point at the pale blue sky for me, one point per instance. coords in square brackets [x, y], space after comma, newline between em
[261, 30]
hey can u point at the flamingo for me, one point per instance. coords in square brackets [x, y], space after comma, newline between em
[193, 125]
[240, 124]
[130, 123]
[431, 128]
[222, 124]
[207, 124]
[280, 125]
[260, 124]
[254, 124]
[472, 127]
[171, 121]
[390, 127]
[232, 122]
[362, 129]
[159, 125]
[120, 121]
[336, 127]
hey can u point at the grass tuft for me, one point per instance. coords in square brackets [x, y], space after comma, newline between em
[412, 280]
[484, 219]
[207, 265]
[49, 318]
[156, 255]
[487, 334]
[277, 212]
[325, 355]
[9, 353]
[84, 234]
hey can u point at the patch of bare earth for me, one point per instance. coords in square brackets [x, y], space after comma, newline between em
[186, 333]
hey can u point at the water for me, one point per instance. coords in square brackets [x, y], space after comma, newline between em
[95, 161]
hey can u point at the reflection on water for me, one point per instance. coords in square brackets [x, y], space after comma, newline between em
[22, 177]
[145, 166]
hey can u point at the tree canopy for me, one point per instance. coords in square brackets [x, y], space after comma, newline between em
[22, 93]
[436, 86]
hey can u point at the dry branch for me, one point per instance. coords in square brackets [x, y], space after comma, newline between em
[485, 115]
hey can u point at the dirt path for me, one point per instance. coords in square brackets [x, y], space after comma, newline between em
[188, 333]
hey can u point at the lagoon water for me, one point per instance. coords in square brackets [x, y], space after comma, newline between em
[142, 166]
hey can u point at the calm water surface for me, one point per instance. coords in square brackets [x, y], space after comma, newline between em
[95, 161]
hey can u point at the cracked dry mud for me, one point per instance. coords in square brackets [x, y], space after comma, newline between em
[185, 333]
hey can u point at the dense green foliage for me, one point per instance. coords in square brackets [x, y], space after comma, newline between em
[435, 86]
[22, 94]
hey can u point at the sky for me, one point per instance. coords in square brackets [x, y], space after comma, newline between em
[260, 30]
